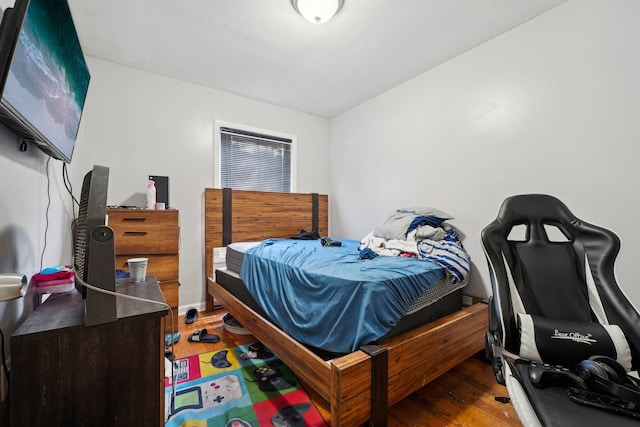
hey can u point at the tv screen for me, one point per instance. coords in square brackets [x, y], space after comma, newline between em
[45, 77]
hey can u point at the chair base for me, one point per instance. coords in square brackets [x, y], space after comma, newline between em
[553, 407]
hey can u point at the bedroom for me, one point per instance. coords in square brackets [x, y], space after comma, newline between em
[549, 107]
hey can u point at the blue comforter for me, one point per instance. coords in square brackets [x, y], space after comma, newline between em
[330, 298]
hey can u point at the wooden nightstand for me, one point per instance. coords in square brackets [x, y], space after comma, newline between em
[154, 235]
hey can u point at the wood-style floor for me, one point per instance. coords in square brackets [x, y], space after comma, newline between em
[464, 396]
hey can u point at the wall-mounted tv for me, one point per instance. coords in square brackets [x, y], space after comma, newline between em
[44, 78]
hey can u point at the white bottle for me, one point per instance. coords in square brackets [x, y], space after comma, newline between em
[151, 194]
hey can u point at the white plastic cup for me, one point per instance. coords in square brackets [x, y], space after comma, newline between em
[138, 269]
[160, 206]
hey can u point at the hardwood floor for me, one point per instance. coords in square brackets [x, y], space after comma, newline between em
[464, 396]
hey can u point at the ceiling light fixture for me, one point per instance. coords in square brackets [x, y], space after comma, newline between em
[317, 11]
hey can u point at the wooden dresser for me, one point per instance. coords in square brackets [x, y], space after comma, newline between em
[154, 235]
[64, 373]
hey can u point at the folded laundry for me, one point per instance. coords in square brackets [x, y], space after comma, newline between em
[61, 272]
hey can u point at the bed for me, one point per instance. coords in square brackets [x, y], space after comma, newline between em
[312, 291]
[354, 387]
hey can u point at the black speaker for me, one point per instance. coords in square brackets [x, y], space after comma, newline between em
[162, 189]
[605, 375]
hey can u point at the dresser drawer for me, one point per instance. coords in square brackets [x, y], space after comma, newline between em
[142, 217]
[164, 267]
[146, 239]
[154, 235]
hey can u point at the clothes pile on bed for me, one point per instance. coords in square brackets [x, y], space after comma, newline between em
[421, 233]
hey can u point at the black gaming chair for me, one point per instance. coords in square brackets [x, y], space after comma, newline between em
[560, 327]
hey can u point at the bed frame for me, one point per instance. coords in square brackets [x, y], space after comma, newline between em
[359, 387]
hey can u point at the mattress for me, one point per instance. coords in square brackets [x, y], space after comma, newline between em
[442, 288]
[440, 299]
[235, 255]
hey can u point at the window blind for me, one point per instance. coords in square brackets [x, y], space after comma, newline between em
[252, 161]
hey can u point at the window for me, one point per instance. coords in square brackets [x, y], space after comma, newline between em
[255, 160]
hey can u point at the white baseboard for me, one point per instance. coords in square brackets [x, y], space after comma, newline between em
[201, 306]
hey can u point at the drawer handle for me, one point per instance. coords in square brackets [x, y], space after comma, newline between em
[134, 219]
[135, 233]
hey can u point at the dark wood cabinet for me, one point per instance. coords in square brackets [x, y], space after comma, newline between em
[64, 373]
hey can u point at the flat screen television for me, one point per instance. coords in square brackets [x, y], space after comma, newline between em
[44, 77]
[94, 249]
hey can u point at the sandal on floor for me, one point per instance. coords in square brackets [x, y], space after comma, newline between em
[191, 316]
[170, 338]
[202, 336]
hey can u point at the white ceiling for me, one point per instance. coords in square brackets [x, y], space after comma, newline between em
[264, 50]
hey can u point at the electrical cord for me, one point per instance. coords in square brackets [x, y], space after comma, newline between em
[162, 303]
[4, 358]
[46, 215]
[67, 185]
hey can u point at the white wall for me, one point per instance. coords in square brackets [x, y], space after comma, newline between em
[139, 123]
[550, 107]
[27, 243]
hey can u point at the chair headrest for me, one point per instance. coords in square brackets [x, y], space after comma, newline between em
[534, 209]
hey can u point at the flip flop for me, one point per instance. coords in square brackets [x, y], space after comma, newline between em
[202, 336]
[191, 316]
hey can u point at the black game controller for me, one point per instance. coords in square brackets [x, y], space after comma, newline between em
[260, 350]
[219, 360]
[545, 375]
[290, 416]
[271, 379]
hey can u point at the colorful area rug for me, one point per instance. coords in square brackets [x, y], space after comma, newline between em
[244, 386]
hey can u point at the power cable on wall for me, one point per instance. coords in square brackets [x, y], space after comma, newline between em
[46, 214]
[67, 185]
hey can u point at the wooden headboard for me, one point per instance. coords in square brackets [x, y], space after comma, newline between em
[249, 216]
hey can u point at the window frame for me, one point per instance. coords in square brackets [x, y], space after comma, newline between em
[217, 147]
